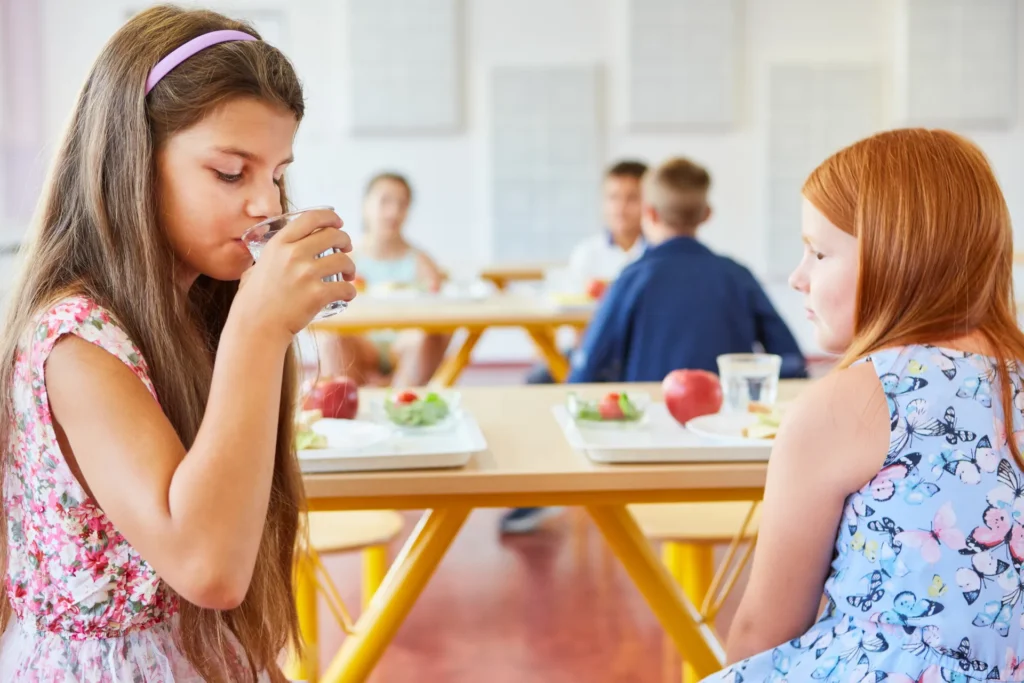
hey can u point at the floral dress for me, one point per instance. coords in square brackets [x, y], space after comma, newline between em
[87, 608]
[926, 583]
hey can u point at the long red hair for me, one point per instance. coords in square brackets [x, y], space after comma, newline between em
[935, 243]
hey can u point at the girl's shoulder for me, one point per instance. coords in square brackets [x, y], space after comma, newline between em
[81, 316]
[73, 314]
[843, 414]
[842, 398]
[70, 314]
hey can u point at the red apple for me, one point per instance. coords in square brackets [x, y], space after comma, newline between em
[336, 398]
[597, 288]
[691, 393]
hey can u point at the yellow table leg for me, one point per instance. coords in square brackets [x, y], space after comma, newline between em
[544, 339]
[673, 561]
[695, 641]
[453, 365]
[696, 566]
[375, 566]
[396, 595]
[303, 665]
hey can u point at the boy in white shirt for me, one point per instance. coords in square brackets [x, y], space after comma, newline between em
[605, 254]
[600, 257]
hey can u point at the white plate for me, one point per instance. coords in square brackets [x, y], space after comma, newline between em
[461, 291]
[725, 426]
[351, 435]
[660, 440]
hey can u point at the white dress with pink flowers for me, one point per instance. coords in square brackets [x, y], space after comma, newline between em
[88, 607]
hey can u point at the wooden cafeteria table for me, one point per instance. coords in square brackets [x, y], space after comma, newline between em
[534, 314]
[528, 462]
[501, 276]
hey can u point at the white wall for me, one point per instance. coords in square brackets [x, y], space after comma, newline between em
[451, 212]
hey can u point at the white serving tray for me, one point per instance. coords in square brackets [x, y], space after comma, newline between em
[402, 450]
[659, 439]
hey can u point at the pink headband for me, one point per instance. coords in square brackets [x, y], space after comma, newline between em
[197, 44]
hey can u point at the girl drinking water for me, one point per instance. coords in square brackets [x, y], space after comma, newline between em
[150, 487]
[387, 261]
[895, 484]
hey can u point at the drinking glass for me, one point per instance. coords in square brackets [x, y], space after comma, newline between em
[256, 237]
[747, 378]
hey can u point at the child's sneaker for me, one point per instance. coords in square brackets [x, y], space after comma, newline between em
[526, 520]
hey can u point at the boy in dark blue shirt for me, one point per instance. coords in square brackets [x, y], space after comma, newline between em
[680, 305]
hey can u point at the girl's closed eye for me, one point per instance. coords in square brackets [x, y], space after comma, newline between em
[229, 177]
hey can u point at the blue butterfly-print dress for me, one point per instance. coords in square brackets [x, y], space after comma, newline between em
[926, 581]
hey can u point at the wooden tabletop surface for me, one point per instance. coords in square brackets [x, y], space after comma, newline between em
[528, 454]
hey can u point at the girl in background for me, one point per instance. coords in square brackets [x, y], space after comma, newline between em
[387, 261]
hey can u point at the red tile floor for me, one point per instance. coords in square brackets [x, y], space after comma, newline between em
[551, 607]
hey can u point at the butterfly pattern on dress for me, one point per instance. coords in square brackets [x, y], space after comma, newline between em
[969, 466]
[926, 583]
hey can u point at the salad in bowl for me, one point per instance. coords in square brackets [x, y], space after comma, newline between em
[416, 411]
[615, 409]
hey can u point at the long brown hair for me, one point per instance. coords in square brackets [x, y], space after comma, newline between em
[935, 244]
[97, 233]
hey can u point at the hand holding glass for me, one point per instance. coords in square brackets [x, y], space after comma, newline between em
[256, 238]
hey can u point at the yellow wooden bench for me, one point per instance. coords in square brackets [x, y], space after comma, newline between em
[688, 533]
[366, 531]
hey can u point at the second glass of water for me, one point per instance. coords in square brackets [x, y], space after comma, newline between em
[747, 378]
[256, 237]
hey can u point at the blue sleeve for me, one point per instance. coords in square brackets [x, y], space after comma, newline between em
[774, 335]
[602, 355]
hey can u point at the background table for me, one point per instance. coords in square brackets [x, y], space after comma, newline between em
[535, 315]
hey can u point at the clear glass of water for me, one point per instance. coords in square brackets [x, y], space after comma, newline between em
[256, 237]
[747, 378]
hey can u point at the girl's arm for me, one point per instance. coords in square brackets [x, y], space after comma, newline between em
[832, 442]
[428, 273]
[197, 515]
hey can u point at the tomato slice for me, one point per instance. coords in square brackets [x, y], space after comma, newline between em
[609, 408]
[406, 397]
